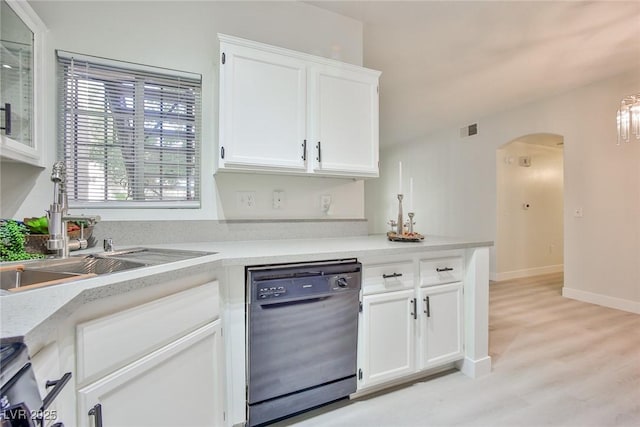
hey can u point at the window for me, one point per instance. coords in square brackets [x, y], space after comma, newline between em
[129, 134]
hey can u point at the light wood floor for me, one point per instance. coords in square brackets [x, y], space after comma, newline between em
[556, 362]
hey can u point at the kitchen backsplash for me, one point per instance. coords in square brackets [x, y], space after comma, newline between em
[127, 233]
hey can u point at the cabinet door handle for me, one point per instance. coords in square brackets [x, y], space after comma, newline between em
[319, 147]
[7, 118]
[304, 150]
[389, 276]
[222, 152]
[57, 388]
[427, 307]
[441, 270]
[96, 412]
[414, 313]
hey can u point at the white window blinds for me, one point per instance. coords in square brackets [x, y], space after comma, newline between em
[129, 135]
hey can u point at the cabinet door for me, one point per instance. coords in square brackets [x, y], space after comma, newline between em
[387, 337]
[46, 367]
[21, 76]
[110, 342]
[441, 326]
[344, 113]
[262, 110]
[177, 385]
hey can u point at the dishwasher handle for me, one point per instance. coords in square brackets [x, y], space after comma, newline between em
[307, 299]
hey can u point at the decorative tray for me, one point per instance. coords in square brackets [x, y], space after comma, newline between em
[414, 237]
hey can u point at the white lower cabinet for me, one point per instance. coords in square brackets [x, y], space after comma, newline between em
[179, 384]
[404, 332]
[387, 337]
[159, 363]
[441, 320]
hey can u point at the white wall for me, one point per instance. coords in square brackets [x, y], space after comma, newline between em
[456, 186]
[183, 35]
[529, 235]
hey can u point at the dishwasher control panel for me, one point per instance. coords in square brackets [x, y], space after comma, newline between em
[309, 286]
[281, 285]
[271, 292]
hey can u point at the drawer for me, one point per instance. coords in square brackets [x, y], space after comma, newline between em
[441, 270]
[387, 277]
[108, 343]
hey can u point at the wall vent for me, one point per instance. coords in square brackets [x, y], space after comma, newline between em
[469, 130]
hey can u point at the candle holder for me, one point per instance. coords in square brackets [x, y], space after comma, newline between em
[411, 214]
[400, 222]
[399, 235]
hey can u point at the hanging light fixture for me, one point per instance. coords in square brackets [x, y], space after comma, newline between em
[629, 119]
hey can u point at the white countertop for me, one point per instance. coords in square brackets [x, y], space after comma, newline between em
[25, 312]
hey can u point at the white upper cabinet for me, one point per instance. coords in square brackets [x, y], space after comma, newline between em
[283, 111]
[262, 109]
[344, 117]
[21, 83]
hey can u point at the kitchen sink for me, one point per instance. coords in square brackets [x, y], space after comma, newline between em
[89, 264]
[54, 271]
[152, 256]
[48, 272]
[19, 277]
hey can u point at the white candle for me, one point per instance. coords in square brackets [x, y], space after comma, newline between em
[410, 194]
[399, 177]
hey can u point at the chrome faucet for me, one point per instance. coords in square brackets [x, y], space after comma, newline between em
[58, 216]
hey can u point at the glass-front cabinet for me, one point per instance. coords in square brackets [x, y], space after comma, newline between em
[21, 86]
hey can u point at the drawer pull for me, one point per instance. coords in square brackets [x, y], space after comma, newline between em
[57, 388]
[441, 270]
[96, 412]
[7, 118]
[390, 276]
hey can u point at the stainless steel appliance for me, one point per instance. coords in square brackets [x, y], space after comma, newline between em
[302, 328]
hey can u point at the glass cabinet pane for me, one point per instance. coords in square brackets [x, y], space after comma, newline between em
[16, 77]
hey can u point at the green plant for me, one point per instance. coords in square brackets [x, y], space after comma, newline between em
[12, 241]
[37, 225]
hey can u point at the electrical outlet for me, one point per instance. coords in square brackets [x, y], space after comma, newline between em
[278, 199]
[246, 199]
[577, 212]
[325, 203]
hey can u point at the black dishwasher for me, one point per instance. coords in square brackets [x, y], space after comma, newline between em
[302, 329]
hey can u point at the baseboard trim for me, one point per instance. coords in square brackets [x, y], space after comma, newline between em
[392, 384]
[475, 368]
[603, 300]
[528, 272]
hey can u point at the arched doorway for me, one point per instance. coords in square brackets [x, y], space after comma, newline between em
[529, 229]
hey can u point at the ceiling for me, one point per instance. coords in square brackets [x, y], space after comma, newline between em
[449, 63]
